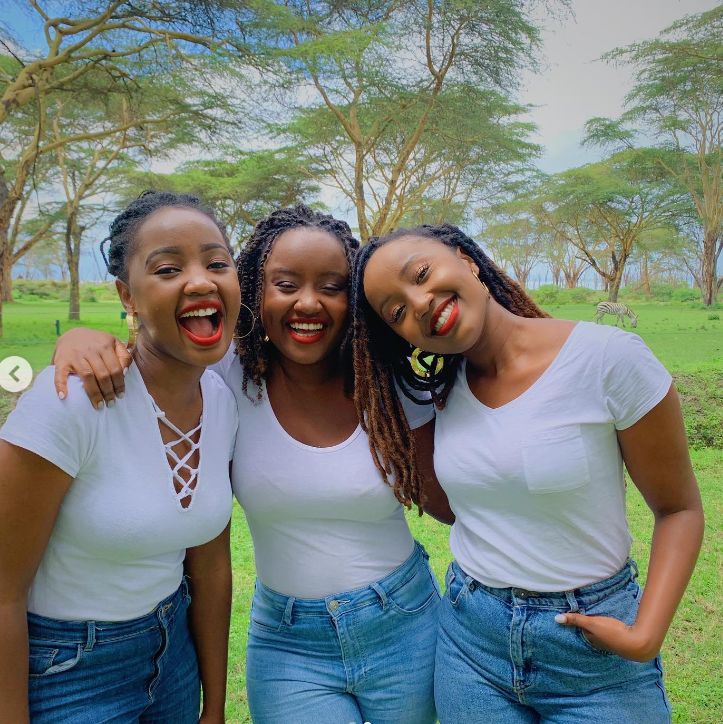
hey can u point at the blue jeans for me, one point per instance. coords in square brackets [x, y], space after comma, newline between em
[361, 656]
[142, 671]
[502, 658]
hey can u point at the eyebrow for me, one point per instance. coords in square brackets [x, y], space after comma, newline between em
[178, 250]
[402, 272]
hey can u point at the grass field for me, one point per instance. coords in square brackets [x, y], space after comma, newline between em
[684, 339]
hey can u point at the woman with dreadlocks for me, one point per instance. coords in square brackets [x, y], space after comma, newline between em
[102, 510]
[542, 618]
[343, 620]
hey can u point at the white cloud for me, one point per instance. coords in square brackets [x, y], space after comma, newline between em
[577, 85]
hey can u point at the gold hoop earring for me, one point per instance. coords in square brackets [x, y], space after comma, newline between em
[486, 288]
[253, 322]
[422, 362]
[132, 322]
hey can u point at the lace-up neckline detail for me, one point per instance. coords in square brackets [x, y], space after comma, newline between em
[187, 487]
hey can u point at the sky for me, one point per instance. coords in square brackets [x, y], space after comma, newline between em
[576, 85]
[573, 85]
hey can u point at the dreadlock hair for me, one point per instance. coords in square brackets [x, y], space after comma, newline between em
[253, 351]
[381, 359]
[124, 227]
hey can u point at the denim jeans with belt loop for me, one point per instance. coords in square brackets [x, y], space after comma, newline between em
[502, 657]
[141, 671]
[358, 656]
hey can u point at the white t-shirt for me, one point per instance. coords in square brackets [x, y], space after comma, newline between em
[119, 541]
[322, 519]
[537, 485]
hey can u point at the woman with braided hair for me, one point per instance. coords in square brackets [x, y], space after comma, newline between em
[542, 618]
[103, 510]
[344, 613]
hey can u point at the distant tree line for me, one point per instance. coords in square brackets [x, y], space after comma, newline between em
[407, 108]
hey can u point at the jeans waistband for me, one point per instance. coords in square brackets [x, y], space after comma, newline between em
[91, 632]
[339, 603]
[578, 598]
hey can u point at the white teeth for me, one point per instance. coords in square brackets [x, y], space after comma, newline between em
[303, 326]
[444, 316]
[200, 312]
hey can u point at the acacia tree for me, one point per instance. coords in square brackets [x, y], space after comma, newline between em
[514, 243]
[603, 209]
[242, 187]
[377, 80]
[678, 99]
[562, 258]
[96, 49]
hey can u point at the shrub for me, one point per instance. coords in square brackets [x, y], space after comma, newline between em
[685, 294]
[547, 294]
[711, 317]
[579, 295]
[701, 397]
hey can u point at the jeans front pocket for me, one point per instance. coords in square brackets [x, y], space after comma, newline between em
[456, 586]
[621, 605]
[49, 657]
[264, 616]
[417, 592]
[555, 460]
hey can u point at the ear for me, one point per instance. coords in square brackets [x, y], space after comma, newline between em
[469, 261]
[124, 292]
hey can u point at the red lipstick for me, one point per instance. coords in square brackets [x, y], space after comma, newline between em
[208, 341]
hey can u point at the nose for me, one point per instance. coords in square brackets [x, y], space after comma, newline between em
[307, 301]
[420, 304]
[199, 282]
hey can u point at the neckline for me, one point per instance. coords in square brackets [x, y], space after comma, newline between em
[160, 446]
[462, 374]
[297, 443]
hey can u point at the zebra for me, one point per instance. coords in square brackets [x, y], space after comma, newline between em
[618, 309]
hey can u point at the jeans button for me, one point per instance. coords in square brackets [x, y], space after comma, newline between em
[472, 586]
[522, 594]
[333, 605]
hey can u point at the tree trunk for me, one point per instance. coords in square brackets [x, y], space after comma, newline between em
[72, 248]
[614, 285]
[645, 273]
[7, 285]
[709, 275]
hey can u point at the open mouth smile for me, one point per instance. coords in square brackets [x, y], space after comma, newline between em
[306, 331]
[444, 317]
[202, 322]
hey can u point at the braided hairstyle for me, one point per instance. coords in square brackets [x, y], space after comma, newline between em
[253, 351]
[124, 227]
[381, 358]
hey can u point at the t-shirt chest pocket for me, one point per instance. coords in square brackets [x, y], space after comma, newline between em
[555, 460]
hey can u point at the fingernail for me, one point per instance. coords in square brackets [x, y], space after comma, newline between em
[125, 371]
[561, 618]
[121, 395]
[111, 403]
[101, 405]
[61, 395]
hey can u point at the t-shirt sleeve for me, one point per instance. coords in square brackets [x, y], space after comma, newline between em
[417, 415]
[633, 379]
[62, 432]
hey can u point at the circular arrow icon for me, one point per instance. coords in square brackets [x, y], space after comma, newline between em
[15, 374]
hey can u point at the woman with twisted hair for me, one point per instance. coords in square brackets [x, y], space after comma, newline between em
[344, 613]
[103, 511]
[542, 619]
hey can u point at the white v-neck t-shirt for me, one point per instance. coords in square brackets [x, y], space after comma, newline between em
[322, 519]
[121, 534]
[537, 484]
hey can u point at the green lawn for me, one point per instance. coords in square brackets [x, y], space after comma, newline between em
[683, 338]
